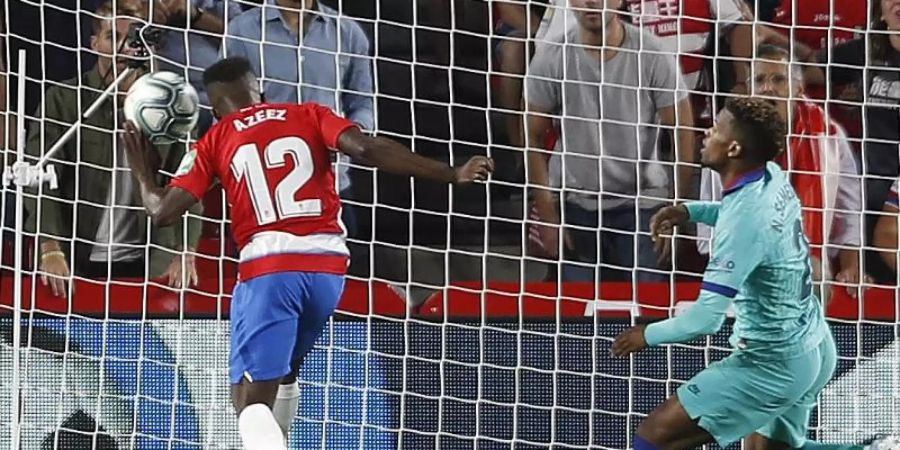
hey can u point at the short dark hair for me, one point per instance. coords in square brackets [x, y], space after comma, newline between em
[759, 128]
[227, 70]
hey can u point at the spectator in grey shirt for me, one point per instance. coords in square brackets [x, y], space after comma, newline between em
[611, 103]
[303, 52]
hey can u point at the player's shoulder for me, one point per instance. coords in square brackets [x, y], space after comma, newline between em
[773, 187]
[302, 108]
[308, 113]
[756, 193]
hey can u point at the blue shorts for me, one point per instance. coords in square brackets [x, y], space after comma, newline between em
[739, 395]
[276, 319]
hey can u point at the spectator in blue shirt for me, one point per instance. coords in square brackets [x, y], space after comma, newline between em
[303, 52]
[192, 40]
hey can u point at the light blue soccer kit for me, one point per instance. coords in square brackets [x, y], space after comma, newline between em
[784, 352]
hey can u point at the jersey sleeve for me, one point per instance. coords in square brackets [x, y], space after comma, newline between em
[736, 252]
[331, 125]
[703, 318]
[706, 213]
[195, 173]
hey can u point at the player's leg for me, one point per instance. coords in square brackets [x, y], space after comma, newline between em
[724, 403]
[265, 312]
[669, 426]
[789, 430]
[287, 400]
[758, 441]
[256, 422]
[323, 292]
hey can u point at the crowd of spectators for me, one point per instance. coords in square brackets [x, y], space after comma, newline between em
[601, 103]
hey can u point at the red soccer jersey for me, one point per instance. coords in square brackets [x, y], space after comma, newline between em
[274, 163]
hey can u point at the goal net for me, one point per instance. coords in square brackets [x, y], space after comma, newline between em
[464, 323]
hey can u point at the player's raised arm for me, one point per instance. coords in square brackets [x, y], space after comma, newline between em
[736, 253]
[393, 157]
[165, 205]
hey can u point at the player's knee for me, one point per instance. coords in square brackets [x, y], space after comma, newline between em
[666, 425]
[757, 441]
[655, 431]
[246, 393]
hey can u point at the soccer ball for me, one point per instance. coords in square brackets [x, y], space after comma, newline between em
[163, 105]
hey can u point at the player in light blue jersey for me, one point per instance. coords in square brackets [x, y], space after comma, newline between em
[784, 353]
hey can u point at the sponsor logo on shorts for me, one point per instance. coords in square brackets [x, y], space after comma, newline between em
[694, 389]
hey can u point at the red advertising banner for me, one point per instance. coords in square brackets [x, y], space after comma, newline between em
[471, 300]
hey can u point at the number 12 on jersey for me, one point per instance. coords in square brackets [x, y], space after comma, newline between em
[246, 164]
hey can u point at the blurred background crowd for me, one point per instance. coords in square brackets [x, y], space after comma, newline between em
[594, 111]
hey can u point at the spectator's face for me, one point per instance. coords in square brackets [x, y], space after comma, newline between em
[108, 44]
[772, 80]
[720, 144]
[594, 14]
[890, 12]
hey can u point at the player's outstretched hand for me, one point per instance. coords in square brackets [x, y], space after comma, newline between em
[630, 341]
[142, 157]
[475, 169]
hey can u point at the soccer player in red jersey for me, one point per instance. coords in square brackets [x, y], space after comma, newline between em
[274, 163]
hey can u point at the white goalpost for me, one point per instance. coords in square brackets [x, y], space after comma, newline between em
[453, 331]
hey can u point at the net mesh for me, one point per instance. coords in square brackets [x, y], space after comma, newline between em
[458, 329]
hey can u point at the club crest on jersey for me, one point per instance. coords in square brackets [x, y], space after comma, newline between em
[187, 163]
[259, 117]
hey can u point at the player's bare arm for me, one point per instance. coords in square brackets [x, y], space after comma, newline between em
[165, 205]
[393, 157]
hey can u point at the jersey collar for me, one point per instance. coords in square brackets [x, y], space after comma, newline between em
[745, 179]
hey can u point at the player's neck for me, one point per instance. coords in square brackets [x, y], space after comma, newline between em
[732, 175]
[234, 105]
